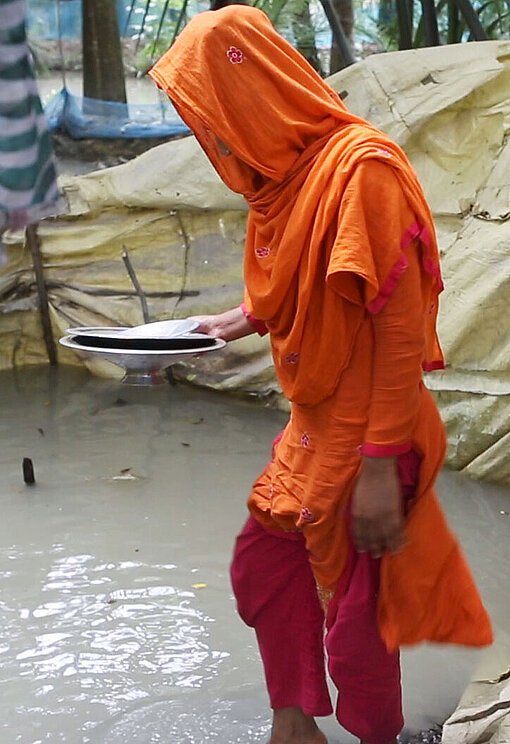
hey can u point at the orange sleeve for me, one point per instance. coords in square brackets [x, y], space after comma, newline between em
[399, 344]
[375, 263]
[367, 258]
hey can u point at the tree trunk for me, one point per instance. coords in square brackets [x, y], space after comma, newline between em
[472, 21]
[430, 23]
[304, 34]
[103, 71]
[345, 12]
[454, 24]
[405, 24]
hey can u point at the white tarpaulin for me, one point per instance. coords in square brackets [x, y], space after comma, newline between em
[483, 714]
[449, 107]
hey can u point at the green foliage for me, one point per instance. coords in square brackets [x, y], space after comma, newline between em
[295, 19]
[273, 8]
[158, 34]
[303, 23]
[494, 16]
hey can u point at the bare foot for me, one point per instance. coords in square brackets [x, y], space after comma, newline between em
[292, 726]
[317, 738]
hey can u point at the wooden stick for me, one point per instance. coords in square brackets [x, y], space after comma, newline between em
[136, 284]
[34, 245]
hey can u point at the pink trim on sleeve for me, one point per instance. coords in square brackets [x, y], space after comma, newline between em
[276, 441]
[389, 285]
[258, 325]
[410, 234]
[432, 269]
[429, 266]
[413, 231]
[431, 366]
[384, 450]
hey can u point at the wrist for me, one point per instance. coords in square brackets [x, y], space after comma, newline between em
[257, 325]
[232, 325]
[378, 464]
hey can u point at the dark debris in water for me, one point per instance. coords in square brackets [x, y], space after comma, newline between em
[28, 471]
[429, 736]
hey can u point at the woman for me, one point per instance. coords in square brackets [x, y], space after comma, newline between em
[341, 268]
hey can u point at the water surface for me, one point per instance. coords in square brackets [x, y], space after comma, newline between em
[118, 622]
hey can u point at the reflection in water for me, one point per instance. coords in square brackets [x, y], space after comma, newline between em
[151, 628]
[98, 606]
[122, 642]
[117, 619]
[181, 721]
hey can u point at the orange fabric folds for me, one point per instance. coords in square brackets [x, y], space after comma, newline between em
[293, 163]
[427, 591]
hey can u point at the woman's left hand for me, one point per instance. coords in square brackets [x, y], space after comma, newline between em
[377, 515]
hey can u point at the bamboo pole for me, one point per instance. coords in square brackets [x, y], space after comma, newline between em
[34, 246]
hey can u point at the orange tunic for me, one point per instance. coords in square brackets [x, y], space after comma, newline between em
[427, 592]
[341, 264]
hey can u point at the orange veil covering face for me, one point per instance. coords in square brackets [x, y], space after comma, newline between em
[293, 149]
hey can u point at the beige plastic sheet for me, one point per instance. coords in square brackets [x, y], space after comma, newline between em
[483, 714]
[449, 107]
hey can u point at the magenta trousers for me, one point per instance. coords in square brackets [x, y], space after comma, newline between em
[277, 596]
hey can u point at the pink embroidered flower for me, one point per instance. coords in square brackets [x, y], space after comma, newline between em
[235, 55]
[306, 514]
[292, 358]
[305, 440]
[262, 252]
[384, 153]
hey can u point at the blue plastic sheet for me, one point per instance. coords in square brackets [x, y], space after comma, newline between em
[84, 118]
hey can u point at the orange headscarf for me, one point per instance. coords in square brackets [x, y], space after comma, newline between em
[293, 148]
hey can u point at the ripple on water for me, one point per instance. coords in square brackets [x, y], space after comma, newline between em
[185, 721]
[102, 649]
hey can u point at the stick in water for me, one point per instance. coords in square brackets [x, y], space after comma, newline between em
[28, 471]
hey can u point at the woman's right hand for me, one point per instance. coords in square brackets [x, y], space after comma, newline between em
[377, 516]
[229, 325]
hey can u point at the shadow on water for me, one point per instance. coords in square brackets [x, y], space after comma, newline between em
[117, 615]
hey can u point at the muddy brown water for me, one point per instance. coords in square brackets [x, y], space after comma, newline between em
[118, 622]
